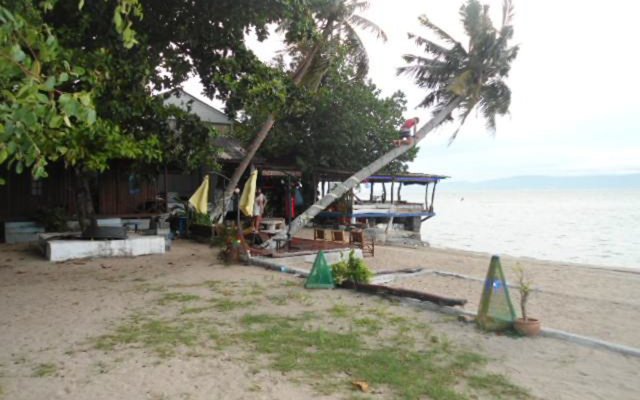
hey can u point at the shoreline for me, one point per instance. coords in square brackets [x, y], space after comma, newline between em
[571, 264]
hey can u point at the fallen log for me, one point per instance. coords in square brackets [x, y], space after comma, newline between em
[413, 294]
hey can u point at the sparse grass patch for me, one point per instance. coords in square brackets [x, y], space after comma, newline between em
[498, 387]
[161, 336]
[340, 310]
[46, 369]
[369, 324]
[279, 299]
[221, 340]
[290, 284]
[177, 297]
[435, 370]
[225, 305]
[326, 348]
[212, 284]
[195, 310]
[255, 290]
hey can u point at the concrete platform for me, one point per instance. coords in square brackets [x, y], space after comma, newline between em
[22, 232]
[69, 249]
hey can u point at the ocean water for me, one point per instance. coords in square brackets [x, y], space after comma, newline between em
[581, 226]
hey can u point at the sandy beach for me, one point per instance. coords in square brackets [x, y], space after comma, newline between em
[59, 324]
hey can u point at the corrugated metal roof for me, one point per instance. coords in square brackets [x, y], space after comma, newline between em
[232, 149]
[206, 112]
[407, 177]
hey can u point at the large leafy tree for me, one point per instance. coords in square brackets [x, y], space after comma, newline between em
[457, 77]
[335, 23]
[77, 86]
[345, 124]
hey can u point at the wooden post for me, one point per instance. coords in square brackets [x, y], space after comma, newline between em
[426, 196]
[393, 181]
[384, 192]
[371, 192]
[315, 187]
[399, 187]
[433, 195]
[166, 189]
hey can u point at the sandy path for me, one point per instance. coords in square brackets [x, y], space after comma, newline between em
[49, 314]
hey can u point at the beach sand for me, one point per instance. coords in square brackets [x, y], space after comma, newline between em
[587, 300]
[51, 313]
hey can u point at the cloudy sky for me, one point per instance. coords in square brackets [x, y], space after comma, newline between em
[576, 89]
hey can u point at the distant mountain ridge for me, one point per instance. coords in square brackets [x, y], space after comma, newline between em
[627, 181]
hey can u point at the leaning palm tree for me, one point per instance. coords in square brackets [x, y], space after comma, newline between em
[337, 22]
[457, 77]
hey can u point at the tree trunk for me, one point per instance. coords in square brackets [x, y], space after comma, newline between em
[412, 294]
[239, 171]
[84, 202]
[341, 188]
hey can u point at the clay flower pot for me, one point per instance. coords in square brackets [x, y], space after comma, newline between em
[527, 327]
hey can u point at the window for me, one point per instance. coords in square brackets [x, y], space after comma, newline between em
[134, 184]
[36, 187]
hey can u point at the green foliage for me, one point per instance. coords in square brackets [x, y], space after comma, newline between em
[474, 74]
[199, 218]
[77, 87]
[353, 270]
[53, 219]
[344, 125]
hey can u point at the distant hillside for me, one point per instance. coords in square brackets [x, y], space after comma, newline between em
[630, 181]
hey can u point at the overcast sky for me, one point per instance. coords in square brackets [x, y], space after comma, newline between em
[576, 88]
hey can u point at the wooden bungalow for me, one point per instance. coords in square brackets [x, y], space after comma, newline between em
[118, 192]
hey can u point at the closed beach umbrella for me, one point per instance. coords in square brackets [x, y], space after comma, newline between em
[200, 198]
[248, 196]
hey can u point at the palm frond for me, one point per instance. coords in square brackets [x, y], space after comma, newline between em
[507, 13]
[357, 51]
[428, 45]
[366, 24]
[437, 30]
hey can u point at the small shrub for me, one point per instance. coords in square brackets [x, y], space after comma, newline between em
[52, 219]
[354, 270]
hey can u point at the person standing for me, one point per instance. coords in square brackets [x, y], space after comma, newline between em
[259, 205]
[407, 132]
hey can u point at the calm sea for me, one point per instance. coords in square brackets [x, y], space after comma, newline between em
[583, 226]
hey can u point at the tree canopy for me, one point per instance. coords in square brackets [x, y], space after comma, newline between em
[474, 74]
[78, 87]
[343, 125]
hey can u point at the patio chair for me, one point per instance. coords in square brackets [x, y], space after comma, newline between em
[318, 234]
[359, 240]
[337, 236]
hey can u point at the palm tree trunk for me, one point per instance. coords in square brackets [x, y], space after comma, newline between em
[341, 188]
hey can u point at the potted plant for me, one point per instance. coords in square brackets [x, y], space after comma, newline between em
[525, 326]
